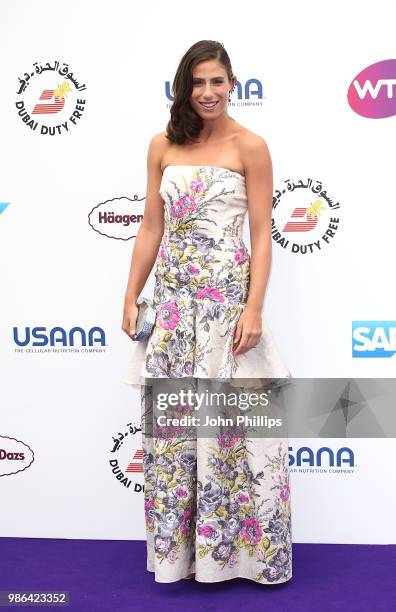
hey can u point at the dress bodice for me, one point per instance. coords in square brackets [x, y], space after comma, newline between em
[204, 199]
[202, 280]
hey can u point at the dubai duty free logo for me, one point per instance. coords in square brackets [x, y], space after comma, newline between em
[126, 458]
[49, 98]
[305, 216]
[372, 93]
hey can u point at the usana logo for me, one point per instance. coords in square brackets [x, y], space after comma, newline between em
[126, 458]
[305, 218]
[248, 94]
[59, 340]
[323, 460]
[49, 98]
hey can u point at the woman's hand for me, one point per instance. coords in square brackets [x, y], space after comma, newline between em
[130, 318]
[248, 330]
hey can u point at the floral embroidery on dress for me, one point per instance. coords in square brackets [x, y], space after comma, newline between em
[202, 275]
[216, 506]
[227, 515]
[235, 518]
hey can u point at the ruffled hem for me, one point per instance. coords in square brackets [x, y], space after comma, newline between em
[263, 362]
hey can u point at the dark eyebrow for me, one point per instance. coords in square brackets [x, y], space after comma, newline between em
[200, 78]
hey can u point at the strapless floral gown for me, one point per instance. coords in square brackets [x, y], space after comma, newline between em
[218, 508]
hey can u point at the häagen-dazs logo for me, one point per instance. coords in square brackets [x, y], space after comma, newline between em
[119, 218]
[126, 458]
[372, 92]
[15, 456]
[59, 340]
[249, 93]
[49, 99]
[373, 339]
[303, 216]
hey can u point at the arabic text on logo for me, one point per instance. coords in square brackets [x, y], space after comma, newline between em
[304, 216]
[49, 100]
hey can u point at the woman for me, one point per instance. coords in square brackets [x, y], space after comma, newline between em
[217, 508]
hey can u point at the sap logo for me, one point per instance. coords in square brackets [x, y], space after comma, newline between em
[3, 206]
[307, 456]
[373, 338]
[252, 87]
[372, 92]
[58, 335]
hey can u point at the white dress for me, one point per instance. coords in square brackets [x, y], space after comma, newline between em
[217, 507]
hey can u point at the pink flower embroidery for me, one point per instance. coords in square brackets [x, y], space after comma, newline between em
[211, 293]
[251, 531]
[183, 205]
[181, 492]
[187, 514]
[228, 439]
[193, 269]
[148, 505]
[185, 523]
[168, 315]
[241, 255]
[165, 432]
[198, 186]
[284, 492]
[206, 531]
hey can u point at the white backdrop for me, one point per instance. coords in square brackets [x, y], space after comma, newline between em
[64, 411]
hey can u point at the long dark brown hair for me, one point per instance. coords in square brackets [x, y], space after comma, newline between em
[184, 124]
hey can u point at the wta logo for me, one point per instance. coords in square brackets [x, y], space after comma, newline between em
[372, 92]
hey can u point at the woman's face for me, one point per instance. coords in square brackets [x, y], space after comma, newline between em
[211, 87]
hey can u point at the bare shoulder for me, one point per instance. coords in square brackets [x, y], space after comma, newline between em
[254, 149]
[159, 143]
[158, 146]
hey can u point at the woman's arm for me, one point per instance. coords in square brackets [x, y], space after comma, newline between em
[259, 188]
[149, 235]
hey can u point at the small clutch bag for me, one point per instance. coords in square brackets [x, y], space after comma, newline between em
[145, 319]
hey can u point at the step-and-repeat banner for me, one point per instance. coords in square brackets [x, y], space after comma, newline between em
[84, 88]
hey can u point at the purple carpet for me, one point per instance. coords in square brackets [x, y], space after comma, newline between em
[111, 575]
